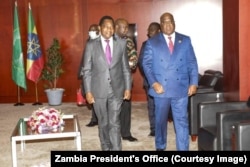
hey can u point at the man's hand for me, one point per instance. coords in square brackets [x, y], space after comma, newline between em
[90, 98]
[158, 87]
[127, 95]
[192, 90]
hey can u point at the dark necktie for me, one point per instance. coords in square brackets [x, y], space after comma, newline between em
[170, 45]
[108, 52]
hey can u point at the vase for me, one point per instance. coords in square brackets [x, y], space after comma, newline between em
[49, 129]
[54, 96]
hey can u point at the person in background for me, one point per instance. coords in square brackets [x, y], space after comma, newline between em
[94, 31]
[121, 30]
[170, 66]
[93, 34]
[107, 82]
[153, 29]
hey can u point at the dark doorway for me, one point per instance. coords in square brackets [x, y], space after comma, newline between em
[132, 33]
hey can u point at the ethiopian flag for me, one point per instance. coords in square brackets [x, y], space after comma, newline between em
[18, 73]
[35, 60]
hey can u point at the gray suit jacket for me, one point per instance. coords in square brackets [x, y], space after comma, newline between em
[98, 75]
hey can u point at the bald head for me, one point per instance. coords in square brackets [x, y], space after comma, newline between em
[121, 27]
[167, 23]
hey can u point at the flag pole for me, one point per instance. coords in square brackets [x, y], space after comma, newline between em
[18, 74]
[18, 98]
[37, 101]
[35, 60]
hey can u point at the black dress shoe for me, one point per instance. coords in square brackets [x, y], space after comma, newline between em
[91, 124]
[130, 138]
[159, 149]
[152, 134]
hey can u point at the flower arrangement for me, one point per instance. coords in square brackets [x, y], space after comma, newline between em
[45, 120]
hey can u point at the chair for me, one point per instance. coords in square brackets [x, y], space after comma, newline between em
[208, 93]
[193, 109]
[225, 121]
[215, 122]
[241, 136]
[208, 80]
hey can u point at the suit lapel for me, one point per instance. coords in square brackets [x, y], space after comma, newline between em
[177, 43]
[114, 53]
[164, 45]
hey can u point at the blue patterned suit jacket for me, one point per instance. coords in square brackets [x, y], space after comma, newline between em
[175, 72]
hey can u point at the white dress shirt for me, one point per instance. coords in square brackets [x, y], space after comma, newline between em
[104, 44]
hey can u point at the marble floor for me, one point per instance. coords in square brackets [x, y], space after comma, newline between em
[38, 153]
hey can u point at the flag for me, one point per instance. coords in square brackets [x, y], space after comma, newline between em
[35, 60]
[18, 73]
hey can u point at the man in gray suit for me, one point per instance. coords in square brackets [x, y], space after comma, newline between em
[107, 82]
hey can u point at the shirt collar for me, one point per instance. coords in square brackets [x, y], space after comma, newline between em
[172, 37]
[110, 39]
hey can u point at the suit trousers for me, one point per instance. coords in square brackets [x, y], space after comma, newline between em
[180, 119]
[108, 114]
[93, 115]
[151, 112]
[126, 118]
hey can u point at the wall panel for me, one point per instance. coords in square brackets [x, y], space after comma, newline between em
[244, 51]
[68, 20]
[231, 49]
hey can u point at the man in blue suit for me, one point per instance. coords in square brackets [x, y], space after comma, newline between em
[171, 69]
